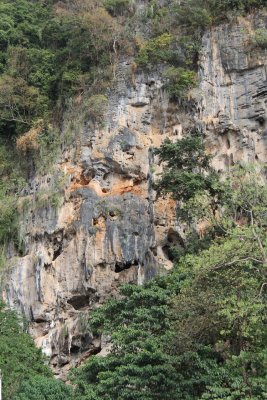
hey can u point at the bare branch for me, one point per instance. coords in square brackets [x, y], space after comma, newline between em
[262, 287]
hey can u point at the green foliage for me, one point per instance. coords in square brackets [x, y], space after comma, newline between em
[156, 50]
[43, 388]
[19, 358]
[180, 80]
[48, 149]
[199, 14]
[49, 198]
[23, 95]
[46, 57]
[190, 46]
[260, 38]
[138, 366]
[96, 107]
[188, 170]
[11, 182]
[8, 219]
[52, 195]
[228, 291]
[19, 104]
[118, 7]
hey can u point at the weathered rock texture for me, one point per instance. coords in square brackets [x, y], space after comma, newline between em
[108, 227]
[233, 84]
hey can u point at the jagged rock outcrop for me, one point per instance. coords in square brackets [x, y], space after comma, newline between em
[108, 227]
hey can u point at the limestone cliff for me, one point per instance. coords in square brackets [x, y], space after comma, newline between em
[233, 85]
[108, 227]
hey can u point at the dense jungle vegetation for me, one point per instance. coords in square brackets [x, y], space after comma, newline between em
[200, 331]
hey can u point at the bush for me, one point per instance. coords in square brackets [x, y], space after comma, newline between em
[29, 140]
[8, 219]
[20, 103]
[96, 107]
[118, 7]
[11, 182]
[156, 50]
[180, 80]
[260, 38]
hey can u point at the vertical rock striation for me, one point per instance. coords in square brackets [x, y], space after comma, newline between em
[233, 84]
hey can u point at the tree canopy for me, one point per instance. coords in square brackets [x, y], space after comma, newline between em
[19, 358]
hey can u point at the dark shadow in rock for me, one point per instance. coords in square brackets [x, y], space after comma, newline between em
[173, 240]
[80, 301]
[122, 265]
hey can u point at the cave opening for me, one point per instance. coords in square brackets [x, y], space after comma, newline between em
[80, 301]
[123, 265]
[173, 240]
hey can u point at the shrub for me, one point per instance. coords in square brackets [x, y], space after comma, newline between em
[260, 38]
[8, 219]
[180, 80]
[190, 47]
[50, 197]
[19, 102]
[96, 107]
[11, 182]
[118, 7]
[29, 140]
[156, 50]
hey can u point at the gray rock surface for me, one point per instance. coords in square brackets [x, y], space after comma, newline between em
[233, 87]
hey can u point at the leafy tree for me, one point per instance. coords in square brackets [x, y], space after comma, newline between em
[19, 102]
[139, 365]
[136, 368]
[19, 358]
[224, 306]
[43, 388]
[187, 168]
[223, 301]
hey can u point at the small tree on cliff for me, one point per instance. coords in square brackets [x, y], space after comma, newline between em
[187, 169]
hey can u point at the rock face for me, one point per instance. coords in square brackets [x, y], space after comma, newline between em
[233, 83]
[107, 228]
[94, 222]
